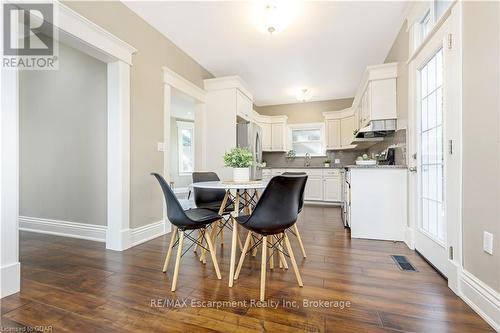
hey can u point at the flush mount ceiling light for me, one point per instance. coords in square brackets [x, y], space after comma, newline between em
[303, 95]
[273, 16]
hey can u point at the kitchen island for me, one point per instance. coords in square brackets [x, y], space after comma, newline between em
[376, 206]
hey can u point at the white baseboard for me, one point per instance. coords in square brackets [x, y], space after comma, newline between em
[10, 277]
[410, 238]
[481, 298]
[63, 228]
[145, 233]
[129, 237]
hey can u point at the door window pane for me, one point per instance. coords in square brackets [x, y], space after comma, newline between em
[431, 148]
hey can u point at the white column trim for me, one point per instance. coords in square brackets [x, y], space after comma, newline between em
[118, 175]
[9, 184]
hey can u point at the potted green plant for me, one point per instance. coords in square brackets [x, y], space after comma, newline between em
[240, 159]
[326, 163]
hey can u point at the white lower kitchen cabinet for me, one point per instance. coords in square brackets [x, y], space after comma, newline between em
[323, 185]
[332, 189]
[314, 188]
[378, 207]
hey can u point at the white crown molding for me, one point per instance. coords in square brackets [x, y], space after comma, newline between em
[87, 31]
[228, 82]
[338, 114]
[184, 85]
[481, 298]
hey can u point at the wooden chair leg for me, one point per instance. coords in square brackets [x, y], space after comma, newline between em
[271, 259]
[221, 226]
[177, 260]
[263, 267]
[233, 253]
[195, 247]
[243, 253]
[170, 246]
[292, 259]
[283, 263]
[212, 253]
[302, 249]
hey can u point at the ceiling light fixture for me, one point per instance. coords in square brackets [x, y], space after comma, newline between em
[274, 15]
[303, 95]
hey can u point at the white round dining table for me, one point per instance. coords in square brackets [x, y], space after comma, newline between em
[228, 185]
[242, 195]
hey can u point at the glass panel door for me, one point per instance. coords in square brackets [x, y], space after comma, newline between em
[431, 149]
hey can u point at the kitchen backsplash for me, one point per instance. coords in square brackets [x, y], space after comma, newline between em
[346, 157]
[397, 139]
[276, 159]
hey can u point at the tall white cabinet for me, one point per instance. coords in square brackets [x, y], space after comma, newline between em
[227, 99]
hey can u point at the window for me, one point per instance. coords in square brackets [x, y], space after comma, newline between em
[307, 138]
[185, 147]
[425, 25]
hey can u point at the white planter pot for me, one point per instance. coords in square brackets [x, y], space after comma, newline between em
[241, 174]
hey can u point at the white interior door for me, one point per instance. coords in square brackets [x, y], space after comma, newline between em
[436, 126]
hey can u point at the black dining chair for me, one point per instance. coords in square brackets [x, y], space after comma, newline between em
[295, 230]
[274, 213]
[185, 223]
[215, 200]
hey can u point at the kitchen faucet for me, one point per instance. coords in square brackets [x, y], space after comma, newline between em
[307, 160]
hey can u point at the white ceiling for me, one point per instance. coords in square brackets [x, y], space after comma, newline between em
[325, 48]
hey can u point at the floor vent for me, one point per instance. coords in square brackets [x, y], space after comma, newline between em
[403, 263]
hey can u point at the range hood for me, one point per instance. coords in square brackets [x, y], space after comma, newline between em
[376, 129]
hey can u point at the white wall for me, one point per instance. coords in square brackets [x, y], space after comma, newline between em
[63, 121]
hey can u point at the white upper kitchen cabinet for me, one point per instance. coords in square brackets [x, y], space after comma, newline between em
[347, 128]
[266, 136]
[332, 134]
[244, 106]
[340, 126]
[273, 132]
[376, 98]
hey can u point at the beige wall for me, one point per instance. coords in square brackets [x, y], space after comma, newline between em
[62, 140]
[310, 112]
[154, 51]
[481, 138]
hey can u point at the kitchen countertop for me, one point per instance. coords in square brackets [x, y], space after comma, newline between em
[304, 167]
[375, 166]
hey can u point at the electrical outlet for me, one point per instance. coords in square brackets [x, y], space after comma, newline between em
[488, 242]
[337, 161]
[161, 146]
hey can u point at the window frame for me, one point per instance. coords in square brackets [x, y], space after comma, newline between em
[308, 126]
[180, 126]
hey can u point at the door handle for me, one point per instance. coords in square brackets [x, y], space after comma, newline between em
[412, 169]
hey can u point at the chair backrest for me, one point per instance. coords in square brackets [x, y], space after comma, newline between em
[206, 195]
[301, 200]
[278, 206]
[175, 213]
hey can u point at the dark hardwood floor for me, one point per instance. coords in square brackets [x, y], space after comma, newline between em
[71, 285]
